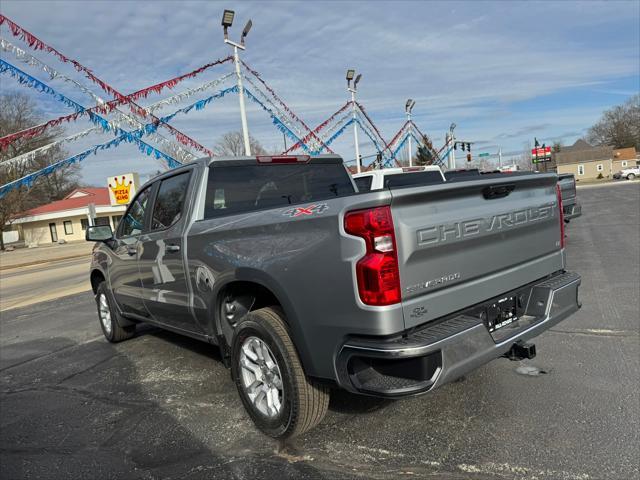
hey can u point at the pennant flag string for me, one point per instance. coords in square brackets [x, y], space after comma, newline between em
[38, 44]
[26, 79]
[53, 74]
[273, 107]
[334, 128]
[32, 82]
[28, 180]
[279, 100]
[276, 121]
[149, 129]
[400, 132]
[317, 130]
[339, 132]
[27, 157]
[187, 93]
[132, 137]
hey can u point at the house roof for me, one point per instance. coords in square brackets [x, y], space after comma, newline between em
[625, 153]
[581, 151]
[80, 197]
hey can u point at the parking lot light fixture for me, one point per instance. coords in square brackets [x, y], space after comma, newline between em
[227, 21]
[350, 75]
[245, 31]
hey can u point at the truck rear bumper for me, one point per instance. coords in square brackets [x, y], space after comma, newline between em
[444, 350]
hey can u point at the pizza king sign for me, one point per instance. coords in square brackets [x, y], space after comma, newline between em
[122, 188]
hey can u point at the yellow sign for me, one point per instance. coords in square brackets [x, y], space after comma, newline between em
[122, 188]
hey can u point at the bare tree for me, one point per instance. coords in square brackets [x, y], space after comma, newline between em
[231, 144]
[619, 126]
[18, 112]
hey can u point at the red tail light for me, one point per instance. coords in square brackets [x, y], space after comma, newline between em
[377, 272]
[561, 215]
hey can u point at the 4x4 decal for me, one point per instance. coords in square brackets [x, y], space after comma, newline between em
[309, 210]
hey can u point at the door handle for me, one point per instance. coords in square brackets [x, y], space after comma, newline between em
[172, 248]
[132, 250]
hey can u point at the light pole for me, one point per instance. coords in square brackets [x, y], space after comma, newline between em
[350, 74]
[452, 155]
[227, 21]
[407, 108]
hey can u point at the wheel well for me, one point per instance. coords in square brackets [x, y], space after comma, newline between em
[96, 278]
[257, 295]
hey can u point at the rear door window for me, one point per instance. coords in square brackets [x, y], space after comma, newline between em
[246, 188]
[169, 205]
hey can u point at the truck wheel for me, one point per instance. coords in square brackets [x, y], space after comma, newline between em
[109, 317]
[631, 176]
[274, 389]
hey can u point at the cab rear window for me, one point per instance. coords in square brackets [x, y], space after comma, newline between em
[246, 188]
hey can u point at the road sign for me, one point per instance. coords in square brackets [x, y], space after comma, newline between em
[484, 154]
[540, 154]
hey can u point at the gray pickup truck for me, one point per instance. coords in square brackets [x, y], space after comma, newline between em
[306, 284]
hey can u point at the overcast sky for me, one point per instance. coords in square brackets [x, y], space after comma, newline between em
[504, 72]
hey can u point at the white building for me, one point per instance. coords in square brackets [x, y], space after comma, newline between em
[67, 219]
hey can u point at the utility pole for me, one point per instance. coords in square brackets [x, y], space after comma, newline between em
[227, 21]
[350, 74]
[499, 157]
[407, 108]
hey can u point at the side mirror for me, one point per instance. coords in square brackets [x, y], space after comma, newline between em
[98, 233]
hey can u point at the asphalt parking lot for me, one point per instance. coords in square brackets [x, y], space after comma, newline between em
[163, 406]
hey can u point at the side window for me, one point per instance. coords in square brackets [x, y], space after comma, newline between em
[364, 183]
[169, 204]
[624, 163]
[599, 167]
[580, 169]
[133, 221]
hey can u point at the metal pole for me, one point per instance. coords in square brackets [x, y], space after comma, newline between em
[499, 156]
[452, 157]
[243, 113]
[355, 129]
[410, 153]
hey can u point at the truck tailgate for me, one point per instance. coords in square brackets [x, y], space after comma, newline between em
[462, 243]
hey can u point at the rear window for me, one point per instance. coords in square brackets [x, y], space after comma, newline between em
[364, 183]
[412, 179]
[238, 189]
[455, 175]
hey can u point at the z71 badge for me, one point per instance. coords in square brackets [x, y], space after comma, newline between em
[310, 210]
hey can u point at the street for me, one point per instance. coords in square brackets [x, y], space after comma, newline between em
[24, 286]
[164, 406]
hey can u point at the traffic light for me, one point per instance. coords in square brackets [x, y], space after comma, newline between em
[455, 145]
[468, 147]
[468, 157]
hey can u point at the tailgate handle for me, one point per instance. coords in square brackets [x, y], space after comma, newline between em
[497, 191]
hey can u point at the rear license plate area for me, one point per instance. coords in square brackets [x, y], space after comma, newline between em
[501, 312]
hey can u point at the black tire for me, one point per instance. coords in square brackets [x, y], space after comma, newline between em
[631, 176]
[304, 402]
[111, 327]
